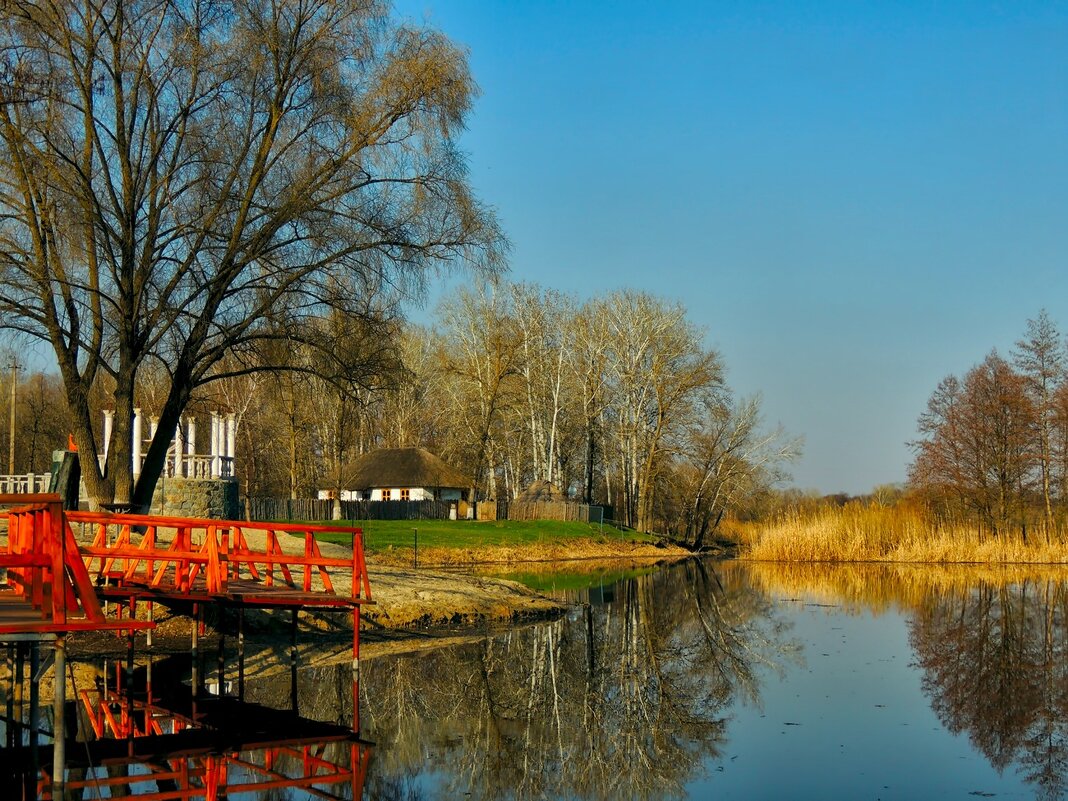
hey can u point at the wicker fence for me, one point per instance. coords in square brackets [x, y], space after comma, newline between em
[542, 510]
[316, 509]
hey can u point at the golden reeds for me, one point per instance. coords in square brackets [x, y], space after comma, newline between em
[872, 533]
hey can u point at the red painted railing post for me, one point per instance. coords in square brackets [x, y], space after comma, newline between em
[57, 533]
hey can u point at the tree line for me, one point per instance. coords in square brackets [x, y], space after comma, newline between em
[993, 446]
[615, 400]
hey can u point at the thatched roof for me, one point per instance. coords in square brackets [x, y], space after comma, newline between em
[541, 491]
[405, 467]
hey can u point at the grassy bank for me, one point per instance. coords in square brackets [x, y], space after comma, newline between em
[456, 542]
[857, 532]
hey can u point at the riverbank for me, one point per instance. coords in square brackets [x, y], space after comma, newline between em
[487, 555]
[458, 586]
[451, 596]
[436, 597]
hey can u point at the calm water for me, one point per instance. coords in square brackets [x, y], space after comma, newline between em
[728, 681]
[704, 680]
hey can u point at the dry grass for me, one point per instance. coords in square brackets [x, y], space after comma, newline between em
[859, 533]
[553, 551]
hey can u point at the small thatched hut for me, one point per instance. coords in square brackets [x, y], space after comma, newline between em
[406, 474]
[542, 492]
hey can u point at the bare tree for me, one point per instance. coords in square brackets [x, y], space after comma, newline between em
[977, 436]
[657, 369]
[481, 355]
[1040, 357]
[542, 317]
[184, 180]
[589, 351]
[724, 456]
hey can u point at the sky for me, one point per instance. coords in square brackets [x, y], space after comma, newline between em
[853, 199]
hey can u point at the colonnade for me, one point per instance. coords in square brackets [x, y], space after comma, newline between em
[183, 461]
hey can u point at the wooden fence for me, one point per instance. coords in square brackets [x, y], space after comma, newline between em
[316, 509]
[543, 510]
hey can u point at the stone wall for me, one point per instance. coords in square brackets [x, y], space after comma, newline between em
[190, 497]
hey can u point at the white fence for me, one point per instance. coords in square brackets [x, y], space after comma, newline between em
[195, 466]
[22, 484]
[199, 466]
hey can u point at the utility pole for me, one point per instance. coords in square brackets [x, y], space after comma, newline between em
[11, 431]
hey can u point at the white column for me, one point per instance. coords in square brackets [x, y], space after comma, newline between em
[231, 443]
[137, 443]
[153, 426]
[231, 435]
[178, 450]
[215, 445]
[191, 443]
[109, 419]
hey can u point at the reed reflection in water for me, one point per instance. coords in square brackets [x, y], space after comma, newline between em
[991, 645]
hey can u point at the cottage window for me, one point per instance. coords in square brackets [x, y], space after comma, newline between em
[405, 494]
[385, 495]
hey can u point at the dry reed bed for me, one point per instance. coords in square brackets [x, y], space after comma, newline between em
[886, 534]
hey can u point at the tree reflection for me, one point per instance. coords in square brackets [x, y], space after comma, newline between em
[625, 699]
[996, 667]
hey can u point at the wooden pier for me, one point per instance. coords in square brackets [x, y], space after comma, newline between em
[56, 585]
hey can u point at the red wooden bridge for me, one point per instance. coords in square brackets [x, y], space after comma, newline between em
[56, 584]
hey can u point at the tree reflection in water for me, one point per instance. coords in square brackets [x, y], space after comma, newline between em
[996, 667]
[624, 699]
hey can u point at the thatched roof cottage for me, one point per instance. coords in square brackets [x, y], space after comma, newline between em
[406, 474]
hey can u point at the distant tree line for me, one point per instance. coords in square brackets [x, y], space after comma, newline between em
[993, 445]
[41, 420]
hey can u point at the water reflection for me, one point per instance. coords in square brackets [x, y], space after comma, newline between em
[165, 741]
[995, 660]
[991, 643]
[646, 690]
[622, 699]
[636, 695]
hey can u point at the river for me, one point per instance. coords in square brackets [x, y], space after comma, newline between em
[733, 680]
[701, 680]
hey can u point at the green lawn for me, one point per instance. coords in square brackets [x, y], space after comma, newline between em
[379, 535]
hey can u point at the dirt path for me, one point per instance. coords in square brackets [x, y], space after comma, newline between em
[405, 597]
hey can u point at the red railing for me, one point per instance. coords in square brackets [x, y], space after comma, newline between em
[210, 776]
[171, 555]
[301, 761]
[45, 570]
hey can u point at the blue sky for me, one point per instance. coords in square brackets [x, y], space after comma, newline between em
[853, 199]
